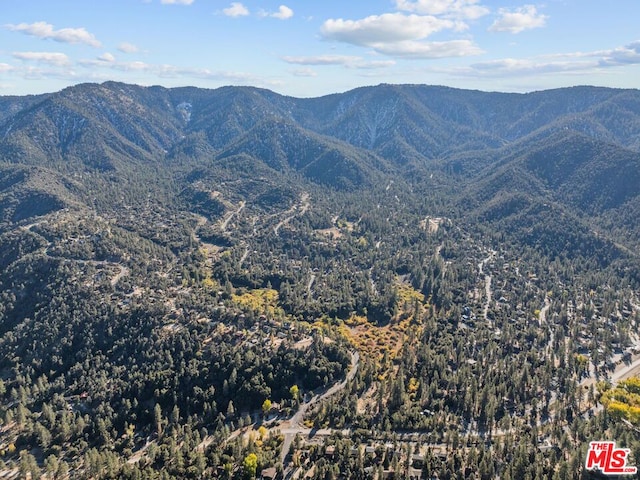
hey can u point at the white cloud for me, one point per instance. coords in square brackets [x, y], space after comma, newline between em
[571, 63]
[5, 67]
[125, 47]
[46, 31]
[236, 9]
[175, 72]
[107, 57]
[137, 72]
[375, 64]
[283, 13]
[304, 72]
[51, 58]
[466, 9]
[512, 67]
[135, 66]
[379, 29]
[518, 20]
[424, 50]
[400, 35]
[562, 63]
[518, 66]
[322, 60]
[627, 55]
[344, 60]
[176, 2]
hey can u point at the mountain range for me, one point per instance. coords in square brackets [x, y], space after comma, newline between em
[577, 148]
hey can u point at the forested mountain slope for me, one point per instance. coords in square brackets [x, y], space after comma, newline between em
[177, 264]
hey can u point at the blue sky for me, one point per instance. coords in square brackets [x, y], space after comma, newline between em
[315, 47]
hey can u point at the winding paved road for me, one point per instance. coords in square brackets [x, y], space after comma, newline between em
[292, 427]
[304, 206]
[225, 223]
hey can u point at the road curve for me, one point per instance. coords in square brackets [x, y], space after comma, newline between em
[293, 426]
